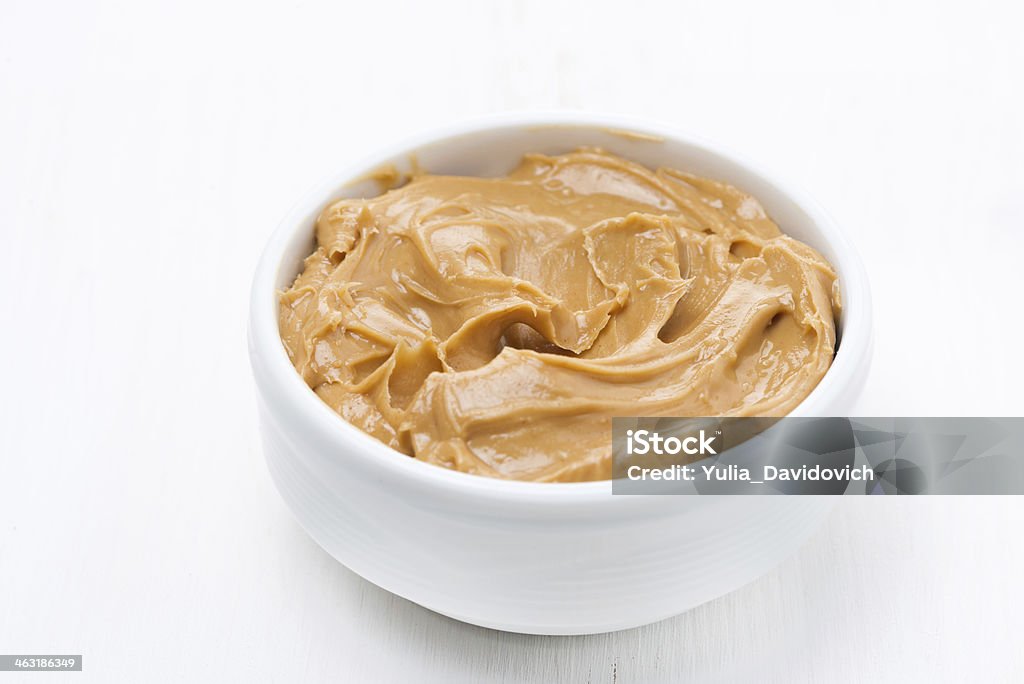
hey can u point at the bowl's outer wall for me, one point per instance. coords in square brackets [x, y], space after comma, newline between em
[555, 576]
[549, 559]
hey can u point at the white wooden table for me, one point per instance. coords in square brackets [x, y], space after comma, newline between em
[146, 153]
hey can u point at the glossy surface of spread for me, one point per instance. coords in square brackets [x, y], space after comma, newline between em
[495, 326]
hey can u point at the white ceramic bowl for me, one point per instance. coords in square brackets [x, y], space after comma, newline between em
[518, 556]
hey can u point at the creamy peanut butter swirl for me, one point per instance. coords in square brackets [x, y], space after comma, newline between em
[495, 325]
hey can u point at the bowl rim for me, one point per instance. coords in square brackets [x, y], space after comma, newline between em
[275, 373]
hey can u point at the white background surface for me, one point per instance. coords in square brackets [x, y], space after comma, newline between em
[146, 153]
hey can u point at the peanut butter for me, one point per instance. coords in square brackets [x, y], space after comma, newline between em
[496, 325]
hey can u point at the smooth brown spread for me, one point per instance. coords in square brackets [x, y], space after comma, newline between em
[495, 325]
